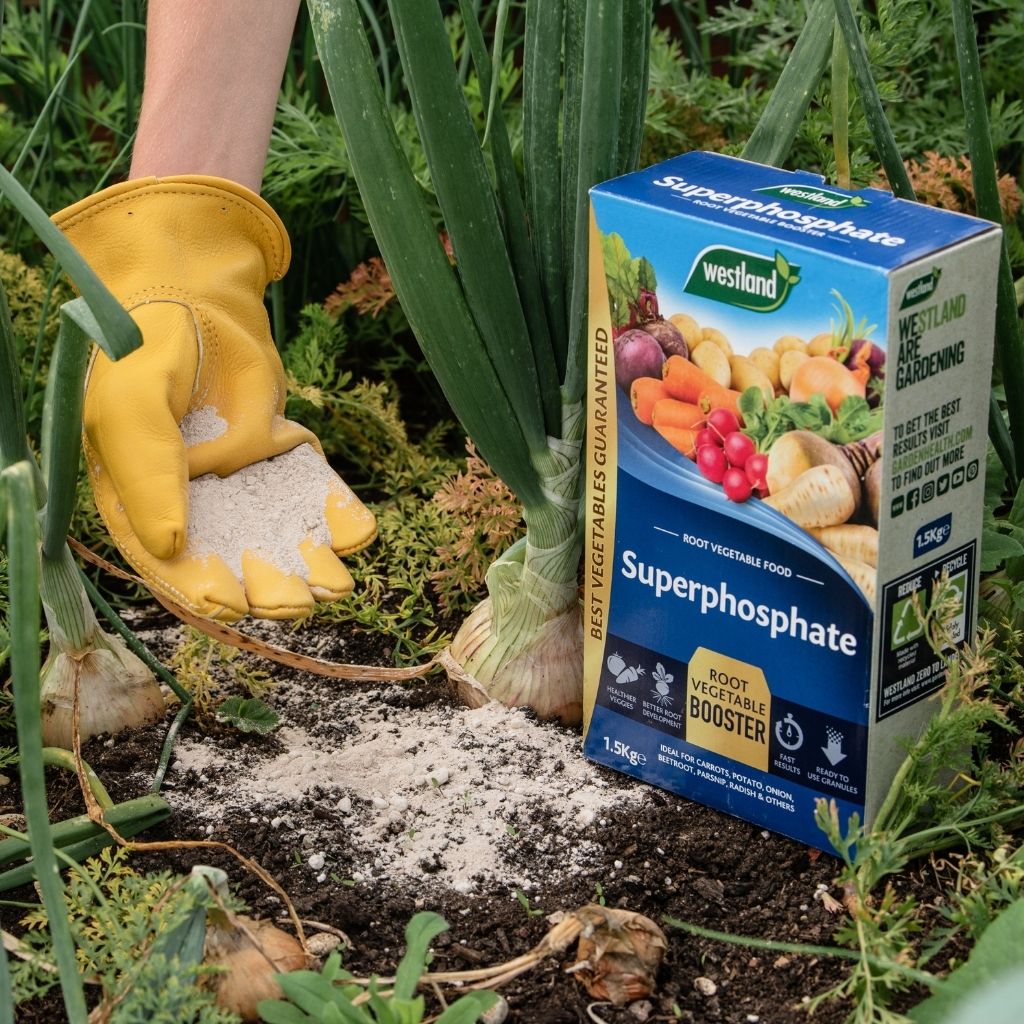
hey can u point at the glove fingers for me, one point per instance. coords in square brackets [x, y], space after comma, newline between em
[237, 448]
[271, 594]
[205, 585]
[131, 415]
[328, 579]
[247, 397]
[351, 523]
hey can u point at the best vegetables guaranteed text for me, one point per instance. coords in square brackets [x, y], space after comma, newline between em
[778, 622]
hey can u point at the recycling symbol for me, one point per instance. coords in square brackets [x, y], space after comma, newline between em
[906, 624]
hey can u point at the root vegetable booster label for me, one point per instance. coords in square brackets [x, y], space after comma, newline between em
[788, 400]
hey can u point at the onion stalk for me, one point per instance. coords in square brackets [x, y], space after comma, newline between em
[17, 493]
[505, 330]
[114, 689]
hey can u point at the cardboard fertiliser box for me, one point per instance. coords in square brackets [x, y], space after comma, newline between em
[758, 653]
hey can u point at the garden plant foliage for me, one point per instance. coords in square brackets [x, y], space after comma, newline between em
[71, 76]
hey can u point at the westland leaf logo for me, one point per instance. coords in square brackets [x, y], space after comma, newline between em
[809, 195]
[743, 279]
[921, 288]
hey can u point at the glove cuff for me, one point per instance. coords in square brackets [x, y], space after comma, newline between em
[174, 207]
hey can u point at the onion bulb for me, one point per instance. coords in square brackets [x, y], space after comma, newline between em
[542, 669]
[116, 690]
[825, 376]
[249, 953]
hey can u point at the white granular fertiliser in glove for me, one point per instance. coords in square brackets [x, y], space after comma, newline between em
[268, 508]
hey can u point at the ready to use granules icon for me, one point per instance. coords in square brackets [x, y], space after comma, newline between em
[787, 406]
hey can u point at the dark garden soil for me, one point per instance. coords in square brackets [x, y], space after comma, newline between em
[643, 849]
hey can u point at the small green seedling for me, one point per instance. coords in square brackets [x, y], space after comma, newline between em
[524, 902]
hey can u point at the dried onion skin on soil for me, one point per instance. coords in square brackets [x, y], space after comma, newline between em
[623, 951]
[250, 952]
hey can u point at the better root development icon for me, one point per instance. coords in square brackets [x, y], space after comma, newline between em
[662, 682]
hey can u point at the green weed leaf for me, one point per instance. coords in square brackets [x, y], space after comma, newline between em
[997, 547]
[469, 1008]
[248, 714]
[999, 951]
[274, 1011]
[419, 933]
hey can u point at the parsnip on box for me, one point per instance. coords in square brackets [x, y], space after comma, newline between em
[788, 397]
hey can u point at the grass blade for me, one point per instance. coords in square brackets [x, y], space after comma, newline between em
[841, 109]
[120, 334]
[465, 195]
[491, 88]
[573, 40]
[636, 58]
[881, 132]
[23, 555]
[516, 231]
[776, 128]
[424, 281]
[6, 995]
[13, 444]
[382, 47]
[62, 426]
[598, 153]
[999, 435]
[1009, 343]
[542, 97]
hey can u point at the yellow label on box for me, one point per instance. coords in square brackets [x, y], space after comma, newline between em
[728, 708]
[601, 476]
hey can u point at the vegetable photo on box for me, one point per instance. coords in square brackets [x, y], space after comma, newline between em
[793, 424]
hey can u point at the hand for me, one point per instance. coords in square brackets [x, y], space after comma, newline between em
[190, 258]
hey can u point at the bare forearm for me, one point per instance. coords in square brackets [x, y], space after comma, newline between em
[213, 71]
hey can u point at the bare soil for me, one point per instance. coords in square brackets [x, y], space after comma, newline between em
[642, 849]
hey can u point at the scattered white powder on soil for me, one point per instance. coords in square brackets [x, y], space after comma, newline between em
[423, 797]
[268, 508]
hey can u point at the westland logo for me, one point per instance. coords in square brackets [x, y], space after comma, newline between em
[743, 279]
[808, 195]
[921, 288]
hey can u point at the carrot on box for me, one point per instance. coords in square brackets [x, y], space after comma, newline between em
[685, 380]
[670, 412]
[643, 393]
[684, 441]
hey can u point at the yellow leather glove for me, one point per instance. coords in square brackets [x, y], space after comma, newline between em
[190, 258]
